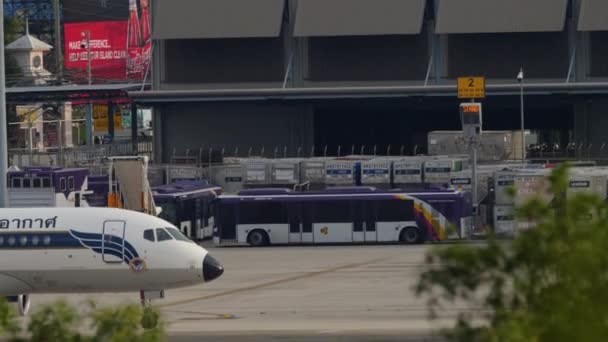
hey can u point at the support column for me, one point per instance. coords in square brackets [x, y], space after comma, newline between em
[111, 121]
[134, 124]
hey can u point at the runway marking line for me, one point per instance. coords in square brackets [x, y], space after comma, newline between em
[271, 283]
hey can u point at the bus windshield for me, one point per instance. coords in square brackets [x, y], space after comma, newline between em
[177, 235]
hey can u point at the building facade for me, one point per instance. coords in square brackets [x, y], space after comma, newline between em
[306, 74]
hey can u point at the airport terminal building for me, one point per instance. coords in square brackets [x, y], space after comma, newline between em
[306, 74]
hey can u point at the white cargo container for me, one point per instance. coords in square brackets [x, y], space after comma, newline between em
[376, 172]
[340, 172]
[504, 220]
[256, 171]
[229, 177]
[285, 171]
[438, 171]
[532, 185]
[408, 171]
[590, 180]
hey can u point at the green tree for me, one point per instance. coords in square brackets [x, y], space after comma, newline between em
[548, 284]
[61, 322]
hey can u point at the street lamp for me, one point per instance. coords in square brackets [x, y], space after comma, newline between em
[520, 79]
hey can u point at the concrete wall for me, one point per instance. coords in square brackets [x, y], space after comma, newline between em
[228, 125]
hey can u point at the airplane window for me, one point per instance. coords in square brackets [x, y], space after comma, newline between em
[35, 240]
[46, 240]
[178, 235]
[1, 240]
[23, 240]
[162, 235]
[11, 240]
[149, 234]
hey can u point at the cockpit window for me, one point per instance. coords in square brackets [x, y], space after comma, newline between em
[162, 235]
[177, 235]
[149, 235]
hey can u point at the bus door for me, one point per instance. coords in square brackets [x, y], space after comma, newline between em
[358, 208]
[370, 226]
[300, 222]
[199, 213]
[294, 214]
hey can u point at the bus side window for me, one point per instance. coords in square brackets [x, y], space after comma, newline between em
[307, 217]
[395, 210]
[62, 186]
[149, 234]
[16, 183]
[37, 183]
[227, 222]
[333, 211]
[262, 213]
[358, 213]
[71, 185]
[26, 182]
[46, 182]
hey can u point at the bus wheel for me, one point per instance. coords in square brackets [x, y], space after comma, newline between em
[410, 235]
[258, 238]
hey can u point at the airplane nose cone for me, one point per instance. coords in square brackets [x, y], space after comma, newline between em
[211, 268]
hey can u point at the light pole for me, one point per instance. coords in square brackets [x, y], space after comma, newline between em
[86, 37]
[3, 130]
[520, 79]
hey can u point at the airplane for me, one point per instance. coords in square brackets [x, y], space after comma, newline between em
[88, 250]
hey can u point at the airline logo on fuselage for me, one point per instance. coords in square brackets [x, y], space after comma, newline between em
[37, 223]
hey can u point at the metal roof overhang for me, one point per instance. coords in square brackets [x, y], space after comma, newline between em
[500, 16]
[274, 94]
[593, 15]
[315, 18]
[70, 92]
[197, 19]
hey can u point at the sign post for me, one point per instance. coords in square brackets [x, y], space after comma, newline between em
[471, 118]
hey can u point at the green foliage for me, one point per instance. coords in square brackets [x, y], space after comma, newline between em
[61, 322]
[547, 285]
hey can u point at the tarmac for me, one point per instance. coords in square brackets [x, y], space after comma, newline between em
[299, 293]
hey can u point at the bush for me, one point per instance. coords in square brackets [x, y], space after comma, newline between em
[61, 322]
[547, 285]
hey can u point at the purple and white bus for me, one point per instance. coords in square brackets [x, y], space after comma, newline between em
[47, 187]
[186, 204]
[340, 215]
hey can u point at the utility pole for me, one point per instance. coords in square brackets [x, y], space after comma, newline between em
[58, 45]
[89, 115]
[3, 130]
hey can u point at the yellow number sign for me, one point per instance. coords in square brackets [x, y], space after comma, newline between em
[471, 87]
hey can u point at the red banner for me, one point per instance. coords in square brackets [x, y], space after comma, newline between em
[111, 59]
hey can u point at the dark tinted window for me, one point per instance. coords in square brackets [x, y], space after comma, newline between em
[149, 234]
[46, 182]
[62, 184]
[162, 235]
[16, 183]
[27, 182]
[395, 210]
[307, 217]
[177, 235]
[227, 221]
[71, 183]
[262, 212]
[333, 211]
[37, 183]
